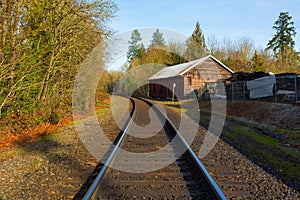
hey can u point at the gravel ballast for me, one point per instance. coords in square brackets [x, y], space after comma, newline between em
[254, 181]
[57, 165]
[54, 167]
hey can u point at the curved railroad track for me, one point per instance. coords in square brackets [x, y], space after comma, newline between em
[186, 178]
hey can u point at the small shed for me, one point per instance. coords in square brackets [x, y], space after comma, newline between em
[185, 78]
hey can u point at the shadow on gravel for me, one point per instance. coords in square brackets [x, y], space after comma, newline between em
[61, 155]
[54, 166]
[267, 156]
[196, 183]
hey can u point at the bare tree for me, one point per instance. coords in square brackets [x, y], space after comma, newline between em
[42, 45]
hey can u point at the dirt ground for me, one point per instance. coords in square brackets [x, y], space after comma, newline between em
[285, 116]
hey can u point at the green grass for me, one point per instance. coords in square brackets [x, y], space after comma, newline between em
[47, 137]
[257, 137]
[21, 151]
[282, 158]
[247, 137]
[102, 111]
[294, 152]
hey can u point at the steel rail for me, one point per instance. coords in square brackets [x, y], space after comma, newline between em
[214, 186]
[91, 191]
[89, 194]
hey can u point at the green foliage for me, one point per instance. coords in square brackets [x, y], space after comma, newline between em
[41, 48]
[54, 118]
[176, 53]
[258, 63]
[158, 52]
[108, 81]
[195, 45]
[282, 44]
[156, 56]
[239, 54]
[135, 46]
[158, 40]
[283, 39]
[129, 85]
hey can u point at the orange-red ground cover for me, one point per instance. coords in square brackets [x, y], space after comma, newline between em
[12, 140]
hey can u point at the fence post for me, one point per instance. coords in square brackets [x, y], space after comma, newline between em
[244, 91]
[275, 90]
[296, 95]
[232, 91]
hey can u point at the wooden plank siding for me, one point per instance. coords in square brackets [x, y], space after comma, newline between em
[208, 71]
[212, 71]
[194, 76]
[192, 81]
[162, 88]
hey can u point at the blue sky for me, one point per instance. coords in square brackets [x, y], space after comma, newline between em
[232, 19]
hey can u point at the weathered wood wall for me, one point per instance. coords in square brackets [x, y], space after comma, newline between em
[212, 71]
[162, 88]
[209, 71]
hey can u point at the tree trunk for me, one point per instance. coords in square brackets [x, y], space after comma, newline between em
[3, 27]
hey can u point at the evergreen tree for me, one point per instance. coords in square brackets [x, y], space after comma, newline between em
[134, 45]
[196, 47]
[282, 42]
[158, 39]
[141, 51]
[258, 63]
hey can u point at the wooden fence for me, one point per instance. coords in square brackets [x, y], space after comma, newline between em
[285, 89]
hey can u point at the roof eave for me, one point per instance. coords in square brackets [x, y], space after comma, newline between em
[176, 76]
[227, 68]
[192, 66]
[196, 62]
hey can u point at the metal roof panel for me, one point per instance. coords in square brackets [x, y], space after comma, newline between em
[180, 69]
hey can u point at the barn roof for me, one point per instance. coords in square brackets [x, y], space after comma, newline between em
[179, 70]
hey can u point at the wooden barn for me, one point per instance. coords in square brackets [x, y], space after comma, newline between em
[183, 79]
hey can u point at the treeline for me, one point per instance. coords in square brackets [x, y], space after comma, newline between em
[44, 42]
[158, 51]
[279, 56]
[42, 45]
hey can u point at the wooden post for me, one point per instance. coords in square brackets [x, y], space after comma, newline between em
[173, 90]
[275, 90]
[296, 95]
[244, 91]
[232, 91]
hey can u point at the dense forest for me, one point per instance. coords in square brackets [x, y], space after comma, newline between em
[42, 45]
[44, 42]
